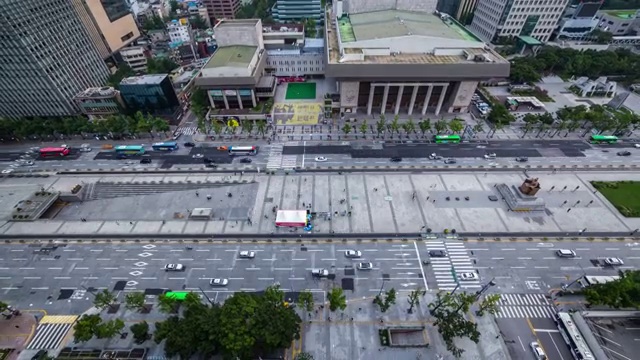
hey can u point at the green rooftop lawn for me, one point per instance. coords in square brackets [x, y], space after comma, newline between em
[622, 14]
[624, 195]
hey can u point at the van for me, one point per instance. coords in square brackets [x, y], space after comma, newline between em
[566, 253]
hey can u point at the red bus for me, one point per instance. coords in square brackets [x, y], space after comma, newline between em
[54, 151]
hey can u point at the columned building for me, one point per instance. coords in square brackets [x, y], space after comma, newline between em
[403, 59]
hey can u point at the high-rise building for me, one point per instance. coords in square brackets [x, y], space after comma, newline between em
[110, 24]
[47, 56]
[531, 18]
[222, 9]
[461, 10]
[297, 10]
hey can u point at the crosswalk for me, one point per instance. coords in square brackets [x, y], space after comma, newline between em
[51, 332]
[188, 130]
[457, 258]
[279, 161]
[525, 306]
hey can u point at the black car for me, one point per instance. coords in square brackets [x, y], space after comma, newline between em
[522, 159]
[210, 165]
[450, 161]
[396, 159]
[437, 253]
[189, 144]
[145, 160]
[208, 160]
[624, 153]
[245, 161]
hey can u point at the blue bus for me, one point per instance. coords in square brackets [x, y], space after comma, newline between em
[165, 146]
[129, 149]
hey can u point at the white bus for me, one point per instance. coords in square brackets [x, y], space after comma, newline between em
[589, 280]
[243, 150]
[573, 337]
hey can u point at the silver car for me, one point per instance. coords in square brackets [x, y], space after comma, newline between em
[247, 254]
[365, 266]
[352, 254]
[219, 282]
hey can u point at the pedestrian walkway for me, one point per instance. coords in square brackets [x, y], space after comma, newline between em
[51, 331]
[525, 306]
[457, 258]
[275, 157]
[188, 130]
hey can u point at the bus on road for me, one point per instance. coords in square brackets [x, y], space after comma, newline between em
[243, 150]
[444, 139]
[603, 139]
[588, 280]
[165, 146]
[129, 149]
[572, 336]
[54, 151]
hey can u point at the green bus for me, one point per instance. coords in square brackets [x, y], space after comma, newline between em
[178, 295]
[130, 149]
[600, 139]
[444, 139]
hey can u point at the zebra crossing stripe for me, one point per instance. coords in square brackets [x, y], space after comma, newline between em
[49, 336]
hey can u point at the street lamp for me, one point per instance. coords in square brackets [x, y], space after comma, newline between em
[382, 287]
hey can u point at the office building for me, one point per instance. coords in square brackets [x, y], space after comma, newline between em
[461, 10]
[149, 92]
[234, 77]
[221, 9]
[619, 22]
[535, 19]
[47, 56]
[398, 57]
[110, 24]
[289, 53]
[99, 103]
[135, 57]
[579, 20]
[297, 10]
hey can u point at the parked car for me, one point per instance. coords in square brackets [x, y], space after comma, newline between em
[145, 160]
[211, 166]
[174, 267]
[433, 156]
[490, 156]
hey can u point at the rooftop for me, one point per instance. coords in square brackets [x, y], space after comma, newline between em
[98, 92]
[233, 56]
[622, 14]
[144, 79]
[395, 23]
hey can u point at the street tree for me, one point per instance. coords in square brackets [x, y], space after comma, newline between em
[489, 304]
[380, 125]
[109, 329]
[305, 300]
[414, 298]
[140, 332]
[530, 121]
[448, 310]
[3, 306]
[168, 304]
[346, 129]
[261, 126]
[85, 328]
[216, 127]
[235, 325]
[395, 125]
[456, 125]
[621, 293]
[499, 114]
[104, 299]
[276, 322]
[135, 300]
[337, 299]
[440, 126]
[180, 336]
[197, 22]
[364, 127]
[385, 302]
[304, 356]
[425, 125]
[410, 126]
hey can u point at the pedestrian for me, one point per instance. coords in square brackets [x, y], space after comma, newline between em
[197, 194]
[131, 222]
[303, 205]
[208, 197]
[375, 189]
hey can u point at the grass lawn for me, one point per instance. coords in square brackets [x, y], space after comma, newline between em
[301, 91]
[624, 195]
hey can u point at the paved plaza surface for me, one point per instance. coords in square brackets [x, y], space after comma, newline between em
[378, 203]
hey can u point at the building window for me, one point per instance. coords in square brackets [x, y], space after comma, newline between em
[127, 37]
[115, 9]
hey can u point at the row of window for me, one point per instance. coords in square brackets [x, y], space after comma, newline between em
[294, 62]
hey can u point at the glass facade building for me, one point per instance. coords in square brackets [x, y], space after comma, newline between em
[46, 58]
[297, 10]
[149, 91]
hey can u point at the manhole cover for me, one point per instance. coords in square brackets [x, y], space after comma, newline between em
[145, 254]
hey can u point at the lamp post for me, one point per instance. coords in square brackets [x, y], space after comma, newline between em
[382, 287]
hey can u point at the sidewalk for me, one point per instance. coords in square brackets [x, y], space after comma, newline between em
[15, 333]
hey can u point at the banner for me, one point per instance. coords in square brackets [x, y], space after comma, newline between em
[244, 92]
[230, 92]
[215, 92]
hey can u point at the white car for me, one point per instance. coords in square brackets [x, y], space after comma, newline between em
[7, 171]
[566, 253]
[319, 273]
[247, 254]
[174, 267]
[537, 351]
[468, 276]
[197, 156]
[490, 156]
[614, 261]
[352, 254]
[26, 163]
[637, 145]
[365, 266]
[219, 282]
[321, 159]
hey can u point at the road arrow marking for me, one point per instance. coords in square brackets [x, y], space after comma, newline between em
[408, 284]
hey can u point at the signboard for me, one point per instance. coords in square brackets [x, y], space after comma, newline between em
[215, 92]
[230, 92]
[244, 92]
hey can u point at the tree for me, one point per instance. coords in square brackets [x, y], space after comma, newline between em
[414, 298]
[179, 336]
[337, 299]
[385, 302]
[395, 125]
[168, 304]
[448, 310]
[3, 306]
[174, 5]
[304, 356]
[310, 29]
[109, 329]
[499, 114]
[261, 127]
[456, 125]
[104, 299]
[197, 22]
[85, 328]
[305, 300]
[124, 71]
[160, 65]
[529, 122]
[135, 300]
[140, 332]
[489, 304]
[154, 22]
[425, 125]
[380, 125]
[346, 129]
[440, 126]
[216, 128]
[478, 128]
[364, 127]
[621, 293]
[523, 73]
